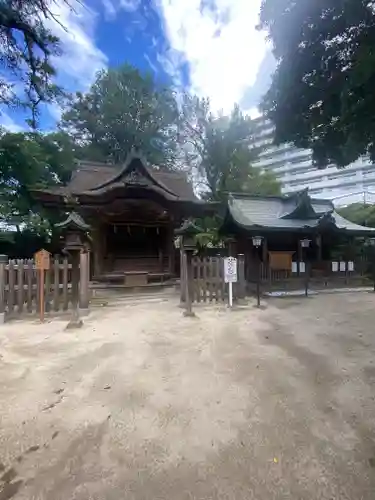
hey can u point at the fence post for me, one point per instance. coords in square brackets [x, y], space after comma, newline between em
[84, 266]
[241, 276]
[3, 263]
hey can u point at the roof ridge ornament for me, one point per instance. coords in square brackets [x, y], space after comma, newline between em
[327, 220]
[303, 208]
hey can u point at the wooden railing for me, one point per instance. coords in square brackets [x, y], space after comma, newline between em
[353, 274]
[20, 286]
[207, 280]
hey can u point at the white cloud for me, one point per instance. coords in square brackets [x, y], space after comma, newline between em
[130, 5]
[111, 7]
[220, 43]
[81, 59]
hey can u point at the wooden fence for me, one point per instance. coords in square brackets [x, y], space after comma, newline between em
[207, 280]
[20, 286]
[346, 275]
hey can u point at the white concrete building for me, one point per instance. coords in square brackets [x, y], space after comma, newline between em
[294, 169]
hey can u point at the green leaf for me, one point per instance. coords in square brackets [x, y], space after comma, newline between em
[322, 93]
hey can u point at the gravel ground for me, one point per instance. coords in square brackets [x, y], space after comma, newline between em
[144, 404]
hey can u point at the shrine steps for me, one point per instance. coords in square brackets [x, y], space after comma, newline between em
[106, 294]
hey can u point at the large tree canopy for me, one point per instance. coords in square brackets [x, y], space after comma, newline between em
[122, 110]
[27, 47]
[220, 149]
[322, 94]
[31, 160]
[219, 152]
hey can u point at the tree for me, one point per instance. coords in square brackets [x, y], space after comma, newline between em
[124, 109]
[220, 148]
[359, 213]
[322, 93]
[29, 160]
[27, 48]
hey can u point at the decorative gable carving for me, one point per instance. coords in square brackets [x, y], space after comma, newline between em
[135, 178]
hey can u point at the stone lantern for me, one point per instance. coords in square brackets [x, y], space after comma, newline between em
[75, 242]
[187, 233]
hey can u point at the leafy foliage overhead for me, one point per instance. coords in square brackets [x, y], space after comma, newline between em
[30, 160]
[122, 110]
[27, 48]
[322, 94]
[220, 149]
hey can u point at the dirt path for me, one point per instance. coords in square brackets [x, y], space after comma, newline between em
[145, 404]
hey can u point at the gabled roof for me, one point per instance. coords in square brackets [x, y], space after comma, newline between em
[94, 179]
[297, 212]
[73, 221]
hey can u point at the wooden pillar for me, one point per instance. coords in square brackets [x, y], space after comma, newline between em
[265, 252]
[161, 259]
[103, 248]
[232, 247]
[84, 279]
[3, 263]
[97, 249]
[241, 276]
[319, 247]
[171, 250]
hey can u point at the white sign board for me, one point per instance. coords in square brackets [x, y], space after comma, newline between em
[350, 266]
[342, 266]
[335, 266]
[294, 267]
[302, 267]
[230, 270]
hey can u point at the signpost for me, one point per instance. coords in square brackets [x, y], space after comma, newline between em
[230, 275]
[42, 264]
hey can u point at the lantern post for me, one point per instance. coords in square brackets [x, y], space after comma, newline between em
[305, 243]
[187, 233]
[257, 243]
[75, 237]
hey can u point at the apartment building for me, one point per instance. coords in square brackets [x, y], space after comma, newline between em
[294, 169]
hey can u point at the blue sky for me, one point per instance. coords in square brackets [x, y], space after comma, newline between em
[210, 47]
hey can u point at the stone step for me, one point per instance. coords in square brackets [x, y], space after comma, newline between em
[115, 296]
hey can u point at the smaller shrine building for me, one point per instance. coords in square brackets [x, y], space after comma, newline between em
[283, 222]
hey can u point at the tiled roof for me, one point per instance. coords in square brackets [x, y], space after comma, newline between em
[276, 213]
[93, 176]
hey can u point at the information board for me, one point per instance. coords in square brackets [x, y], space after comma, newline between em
[230, 270]
[42, 260]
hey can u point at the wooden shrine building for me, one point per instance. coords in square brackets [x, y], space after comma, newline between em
[283, 222]
[132, 210]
